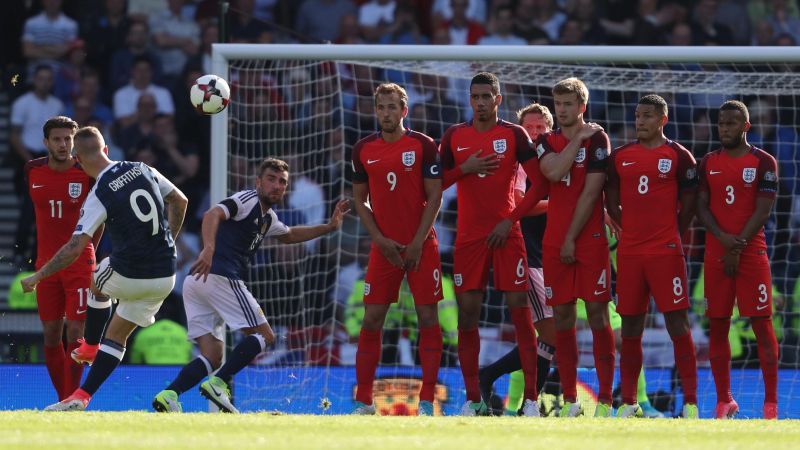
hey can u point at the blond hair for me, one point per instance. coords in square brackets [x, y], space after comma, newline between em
[572, 86]
[536, 108]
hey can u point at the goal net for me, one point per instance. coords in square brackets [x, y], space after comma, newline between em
[310, 104]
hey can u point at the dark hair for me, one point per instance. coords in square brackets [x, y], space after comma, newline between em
[142, 58]
[736, 105]
[59, 122]
[657, 101]
[486, 78]
[274, 164]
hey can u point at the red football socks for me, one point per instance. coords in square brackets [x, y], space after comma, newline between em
[430, 357]
[567, 347]
[72, 370]
[604, 354]
[469, 348]
[367, 358]
[54, 360]
[719, 355]
[767, 355]
[526, 341]
[630, 364]
[686, 361]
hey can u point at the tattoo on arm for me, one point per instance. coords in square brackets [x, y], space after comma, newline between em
[65, 256]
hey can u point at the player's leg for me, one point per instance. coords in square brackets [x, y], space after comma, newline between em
[77, 295]
[593, 279]
[754, 294]
[51, 304]
[633, 300]
[470, 274]
[98, 314]
[544, 324]
[720, 294]
[206, 329]
[511, 277]
[667, 278]
[426, 287]
[559, 280]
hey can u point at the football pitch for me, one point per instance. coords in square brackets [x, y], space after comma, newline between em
[34, 429]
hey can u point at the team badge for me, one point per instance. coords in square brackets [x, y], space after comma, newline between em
[548, 292]
[749, 174]
[664, 165]
[600, 154]
[691, 173]
[75, 190]
[409, 158]
[581, 156]
[366, 289]
[499, 145]
[457, 279]
[770, 176]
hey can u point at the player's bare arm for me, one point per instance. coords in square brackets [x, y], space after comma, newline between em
[433, 194]
[65, 256]
[613, 208]
[555, 166]
[583, 210]
[211, 220]
[729, 241]
[389, 248]
[176, 210]
[307, 232]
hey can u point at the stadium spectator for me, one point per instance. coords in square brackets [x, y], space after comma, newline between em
[733, 14]
[244, 27]
[28, 114]
[759, 10]
[502, 29]
[549, 18]
[405, 28]
[324, 20]
[46, 36]
[137, 45]
[89, 90]
[705, 29]
[201, 59]
[460, 28]
[163, 343]
[444, 10]
[141, 10]
[524, 26]
[585, 13]
[349, 31]
[175, 36]
[681, 34]
[571, 33]
[68, 74]
[176, 160]
[128, 137]
[764, 34]
[375, 16]
[141, 81]
[106, 34]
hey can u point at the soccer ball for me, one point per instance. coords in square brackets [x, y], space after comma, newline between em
[210, 94]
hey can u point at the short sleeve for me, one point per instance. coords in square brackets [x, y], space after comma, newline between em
[239, 205]
[543, 146]
[445, 151]
[524, 144]
[611, 170]
[767, 177]
[687, 170]
[93, 214]
[164, 185]
[276, 228]
[359, 172]
[598, 151]
[431, 162]
[702, 176]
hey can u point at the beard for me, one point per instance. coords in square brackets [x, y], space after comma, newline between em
[732, 143]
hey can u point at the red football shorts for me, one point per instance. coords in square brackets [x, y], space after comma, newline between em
[472, 261]
[751, 289]
[65, 293]
[589, 278]
[661, 276]
[382, 282]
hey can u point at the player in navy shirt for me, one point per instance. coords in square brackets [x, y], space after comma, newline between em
[130, 198]
[214, 293]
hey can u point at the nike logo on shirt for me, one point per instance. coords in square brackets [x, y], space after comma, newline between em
[599, 292]
[461, 149]
[760, 307]
[372, 161]
[520, 281]
[36, 186]
[678, 300]
[626, 163]
[714, 172]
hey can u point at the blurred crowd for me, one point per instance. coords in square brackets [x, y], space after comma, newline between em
[125, 66]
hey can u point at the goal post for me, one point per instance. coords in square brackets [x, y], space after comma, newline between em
[311, 103]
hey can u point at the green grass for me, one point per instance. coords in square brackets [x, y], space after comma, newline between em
[33, 429]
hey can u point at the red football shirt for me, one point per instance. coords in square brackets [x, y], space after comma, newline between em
[733, 185]
[592, 157]
[650, 181]
[57, 199]
[395, 173]
[485, 200]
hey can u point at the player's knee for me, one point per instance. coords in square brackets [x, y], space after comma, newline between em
[268, 335]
